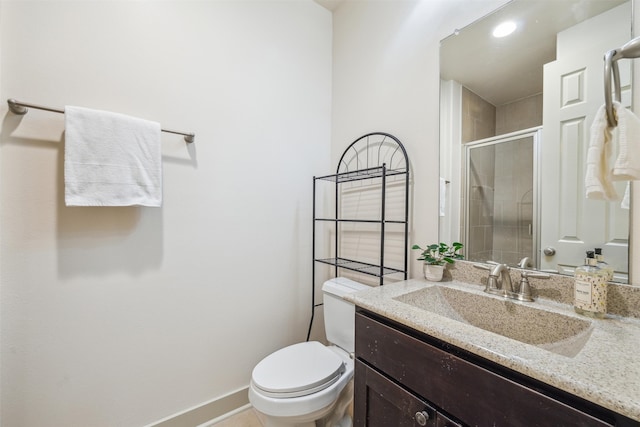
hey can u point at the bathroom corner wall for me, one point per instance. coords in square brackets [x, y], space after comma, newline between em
[478, 117]
[125, 316]
[386, 78]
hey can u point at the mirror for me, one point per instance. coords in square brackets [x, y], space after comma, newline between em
[515, 115]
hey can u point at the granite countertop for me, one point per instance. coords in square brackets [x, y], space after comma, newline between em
[605, 371]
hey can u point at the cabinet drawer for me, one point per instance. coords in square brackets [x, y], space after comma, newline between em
[379, 402]
[473, 394]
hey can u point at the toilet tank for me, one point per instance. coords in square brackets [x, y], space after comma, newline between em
[339, 315]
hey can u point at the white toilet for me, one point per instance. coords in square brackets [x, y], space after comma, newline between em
[310, 384]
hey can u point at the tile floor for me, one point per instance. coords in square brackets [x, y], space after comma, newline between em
[245, 418]
[248, 418]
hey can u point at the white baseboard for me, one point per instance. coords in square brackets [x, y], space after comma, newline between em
[214, 421]
[207, 413]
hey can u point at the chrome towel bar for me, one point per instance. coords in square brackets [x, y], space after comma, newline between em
[630, 50]
[21, 108]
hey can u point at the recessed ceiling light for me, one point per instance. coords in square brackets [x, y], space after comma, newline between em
[504, 29]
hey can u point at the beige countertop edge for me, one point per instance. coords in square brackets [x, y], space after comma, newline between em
[606, 371]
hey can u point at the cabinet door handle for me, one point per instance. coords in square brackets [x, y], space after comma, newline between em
[422, 418]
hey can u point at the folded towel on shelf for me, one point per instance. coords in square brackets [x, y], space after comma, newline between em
[598, 180]
[111, 159]
[627, 165]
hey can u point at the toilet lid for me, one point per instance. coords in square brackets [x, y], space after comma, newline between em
[298, 370]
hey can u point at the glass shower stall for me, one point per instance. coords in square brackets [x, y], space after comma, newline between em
[501, 199]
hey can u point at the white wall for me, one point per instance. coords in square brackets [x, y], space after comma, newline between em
[122, 316]
[386, 78]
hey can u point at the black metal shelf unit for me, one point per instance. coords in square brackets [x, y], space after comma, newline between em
[379, 158]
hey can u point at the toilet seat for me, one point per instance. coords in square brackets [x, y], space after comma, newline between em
[298, 370]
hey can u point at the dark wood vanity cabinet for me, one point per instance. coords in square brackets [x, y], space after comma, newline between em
[380, 402]
[405, 378]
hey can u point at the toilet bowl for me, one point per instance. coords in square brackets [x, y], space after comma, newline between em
[310, 384]
[324, 374]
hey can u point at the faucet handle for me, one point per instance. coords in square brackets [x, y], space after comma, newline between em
[483, 267]
[524, 293]
[492, 282]
[535, 275]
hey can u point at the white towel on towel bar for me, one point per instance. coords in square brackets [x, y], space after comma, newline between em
[111, 159]
[627, 165]
[598, 180]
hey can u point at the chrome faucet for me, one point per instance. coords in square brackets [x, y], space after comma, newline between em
[525, 262]
[500, 281]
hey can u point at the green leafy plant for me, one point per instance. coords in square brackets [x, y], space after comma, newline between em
[440, 253]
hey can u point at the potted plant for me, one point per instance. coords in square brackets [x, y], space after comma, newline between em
[437, 256]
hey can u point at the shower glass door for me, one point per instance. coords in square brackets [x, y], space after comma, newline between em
[501, 199]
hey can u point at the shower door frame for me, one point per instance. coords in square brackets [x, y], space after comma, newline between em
[536, 134]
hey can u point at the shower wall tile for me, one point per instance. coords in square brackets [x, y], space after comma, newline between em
[478, 117]
[504, 238]
[505, 190]
[522, 114]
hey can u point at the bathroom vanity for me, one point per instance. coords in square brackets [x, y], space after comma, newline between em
[417, 366]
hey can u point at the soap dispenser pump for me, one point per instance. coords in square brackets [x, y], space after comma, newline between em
[603, 265]
[590, 289]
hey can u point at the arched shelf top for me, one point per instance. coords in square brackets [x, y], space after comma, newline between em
[369, 153]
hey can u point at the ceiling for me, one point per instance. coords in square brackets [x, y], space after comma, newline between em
[329, 4]
[486, 65]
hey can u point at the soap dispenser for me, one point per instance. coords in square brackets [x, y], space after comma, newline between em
[590, 290]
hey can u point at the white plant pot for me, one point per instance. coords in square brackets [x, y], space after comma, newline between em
[433, 273]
